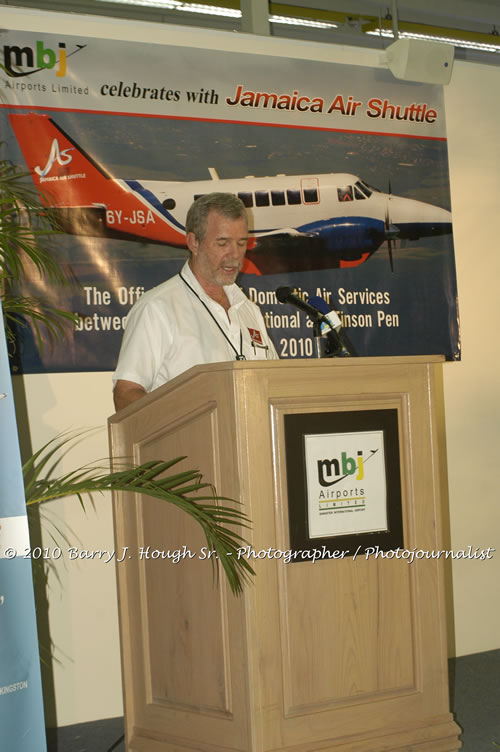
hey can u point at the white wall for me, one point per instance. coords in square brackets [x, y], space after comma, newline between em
[472, 387]
[83, 613]
[82, 594]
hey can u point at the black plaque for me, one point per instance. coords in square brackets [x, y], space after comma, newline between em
[300, 425]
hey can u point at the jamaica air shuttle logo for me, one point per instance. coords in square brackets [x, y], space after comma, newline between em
[56, 155]
[25, 61]
[346, 483]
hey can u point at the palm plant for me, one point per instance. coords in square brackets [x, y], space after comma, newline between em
[26, 227]
[148, 478]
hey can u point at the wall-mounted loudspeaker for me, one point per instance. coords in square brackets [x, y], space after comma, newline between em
[416, 60]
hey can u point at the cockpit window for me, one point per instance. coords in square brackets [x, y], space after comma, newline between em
[368, 188]
[364, 189]
[357, 193]
[345, 193]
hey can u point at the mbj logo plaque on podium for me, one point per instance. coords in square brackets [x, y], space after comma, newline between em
[344, 485]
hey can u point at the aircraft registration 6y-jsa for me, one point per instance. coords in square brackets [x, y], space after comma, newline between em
[297, 222]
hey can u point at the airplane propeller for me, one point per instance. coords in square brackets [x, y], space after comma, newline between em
[391, 231]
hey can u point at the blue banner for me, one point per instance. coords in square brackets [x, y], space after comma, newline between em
[22, 726]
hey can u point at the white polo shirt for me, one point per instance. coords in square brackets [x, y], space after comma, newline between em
[169, 330]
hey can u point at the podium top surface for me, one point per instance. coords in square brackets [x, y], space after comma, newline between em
[303, 364]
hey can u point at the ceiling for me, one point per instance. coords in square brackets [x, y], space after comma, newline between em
[481, 16]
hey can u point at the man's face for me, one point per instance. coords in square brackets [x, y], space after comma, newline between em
[218, 258]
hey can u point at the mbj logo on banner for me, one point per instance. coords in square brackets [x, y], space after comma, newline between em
[20, 62]
[346, 483]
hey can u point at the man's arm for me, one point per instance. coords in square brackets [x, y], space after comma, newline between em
[126, 392]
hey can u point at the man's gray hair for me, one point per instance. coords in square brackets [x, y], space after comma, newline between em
[227, 204]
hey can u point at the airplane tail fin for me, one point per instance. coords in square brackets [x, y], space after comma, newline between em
[59, 168]
[68, 178]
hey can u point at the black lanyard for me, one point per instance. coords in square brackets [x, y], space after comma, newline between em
[239, 355]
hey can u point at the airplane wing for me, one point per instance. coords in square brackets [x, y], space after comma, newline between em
[289, 231]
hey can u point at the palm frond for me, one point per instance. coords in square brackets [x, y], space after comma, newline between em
[216, 520]
[26, 224]
[14, 182]
[45, 319]
[22, 244]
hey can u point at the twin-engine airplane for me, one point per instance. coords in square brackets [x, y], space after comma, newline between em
[297, 222]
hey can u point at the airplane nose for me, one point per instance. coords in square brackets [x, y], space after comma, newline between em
[416, 219]
[406, 209]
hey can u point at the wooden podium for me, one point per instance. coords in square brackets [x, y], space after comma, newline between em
[336, 655]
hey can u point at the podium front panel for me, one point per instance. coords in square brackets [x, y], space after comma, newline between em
[343, 654]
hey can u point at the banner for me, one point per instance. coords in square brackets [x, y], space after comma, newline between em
[343, 170]
[21, 709]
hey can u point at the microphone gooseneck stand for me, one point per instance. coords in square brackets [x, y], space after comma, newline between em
[330, 343]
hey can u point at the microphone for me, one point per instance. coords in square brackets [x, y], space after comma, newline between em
[332, 320]
[330, 328]
[287, 295]
[317, 308]
[326, 321]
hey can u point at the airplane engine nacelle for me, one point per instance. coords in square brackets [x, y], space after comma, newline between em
[351, 236]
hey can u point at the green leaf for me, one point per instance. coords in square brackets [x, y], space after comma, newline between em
[44, 319]
[216, 520]
[28, 225]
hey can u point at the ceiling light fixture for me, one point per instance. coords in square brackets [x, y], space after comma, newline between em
[163, 4]
[309, 18]
[465, 39]
[302, 22]
[281, 13]
[209, 10]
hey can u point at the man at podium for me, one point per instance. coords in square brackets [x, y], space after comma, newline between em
[198, 316]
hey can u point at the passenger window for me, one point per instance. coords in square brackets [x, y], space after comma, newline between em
[278, 198]
[293, 197]
[311, 196]
[247, 198]
[261, 198]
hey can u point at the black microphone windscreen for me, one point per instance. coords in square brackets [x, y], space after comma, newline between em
[282, 293]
